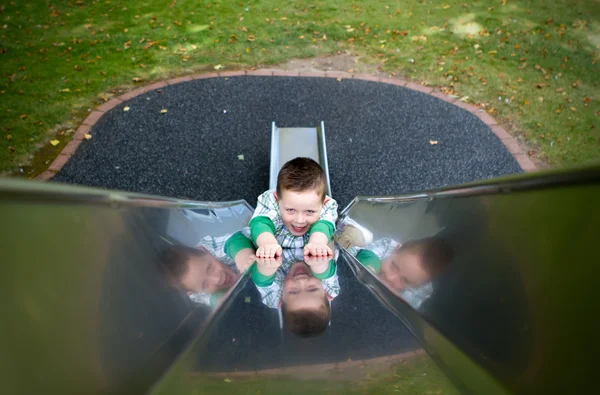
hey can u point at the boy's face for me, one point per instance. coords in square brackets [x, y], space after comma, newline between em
[302, 291]
[299, 210]
[404, 269]
[207, 274]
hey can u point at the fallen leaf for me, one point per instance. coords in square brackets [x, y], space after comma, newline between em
[540, 86]
[65, 90]
[247, 299]
[587, 99]
[574, 109]
[339, 79]
[9, 137]
[55, 142]
[433, 142]
[136, 79]
[227, 380]
[560, 90]
[526, 102]
[218, 67]
[241, 157]
[87, 136]
[125, 108]
[163, 111]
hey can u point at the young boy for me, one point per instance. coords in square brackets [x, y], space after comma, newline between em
[408, 268]
[301, 287]
[205, 273]
[297, 214]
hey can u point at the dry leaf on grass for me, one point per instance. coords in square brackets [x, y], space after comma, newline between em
[55, 142]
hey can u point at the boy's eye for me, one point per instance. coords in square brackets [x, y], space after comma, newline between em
[293, 292]
[310, 212]
[290, 210]
[313, 289]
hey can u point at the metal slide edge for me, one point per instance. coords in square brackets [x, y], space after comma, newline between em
[323, 154]
[274, 170]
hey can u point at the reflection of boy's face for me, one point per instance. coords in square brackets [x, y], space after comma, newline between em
[299, 210]
[302, 291]
[206, 274]
[404, 269]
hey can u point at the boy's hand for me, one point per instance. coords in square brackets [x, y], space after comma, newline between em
[244, 259]
[268, 266]
[268, 251]
[317, 264]
[315, 249]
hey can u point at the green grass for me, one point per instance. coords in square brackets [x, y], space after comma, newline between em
[418, 376]
[59, 59]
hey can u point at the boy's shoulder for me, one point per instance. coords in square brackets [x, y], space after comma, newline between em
[268, 195]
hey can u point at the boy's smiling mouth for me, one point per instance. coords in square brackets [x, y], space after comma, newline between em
[300, 270]
[298, 229]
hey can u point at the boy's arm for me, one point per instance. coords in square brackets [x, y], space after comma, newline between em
[326, 223]
[369, 260]
[321, 267]
[322, 230]
[269, 286]
[239, 248]
[262, 226]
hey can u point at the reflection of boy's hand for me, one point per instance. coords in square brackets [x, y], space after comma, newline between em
[268, 251]
[268, 266]
[244, 259]
[318, 264]
[317, 250]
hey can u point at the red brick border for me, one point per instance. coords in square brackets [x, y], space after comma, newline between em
[511, 144]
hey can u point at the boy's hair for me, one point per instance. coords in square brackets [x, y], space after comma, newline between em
[301, 175]
[307, 323]
[436, 254]
[173, 262]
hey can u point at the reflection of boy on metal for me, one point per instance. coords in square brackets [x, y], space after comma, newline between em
[407, 268]
[300, 287]
[209, 270]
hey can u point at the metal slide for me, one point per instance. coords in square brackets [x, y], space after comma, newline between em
[290, 143]
[86, 310]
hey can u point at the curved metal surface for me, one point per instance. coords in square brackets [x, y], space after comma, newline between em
[486, 288]
[85, 307]
[506, 272]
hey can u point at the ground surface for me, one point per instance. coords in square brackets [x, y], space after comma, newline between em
[379, 139]
[531, 64]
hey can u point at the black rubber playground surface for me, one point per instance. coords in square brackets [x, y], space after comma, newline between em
[378, 139]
